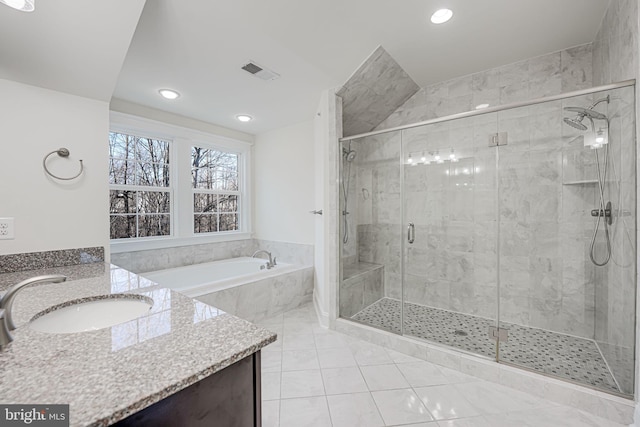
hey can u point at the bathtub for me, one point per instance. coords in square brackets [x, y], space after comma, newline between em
[201, 279]
[239, 287]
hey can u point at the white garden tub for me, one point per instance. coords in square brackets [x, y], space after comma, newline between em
[201, 279]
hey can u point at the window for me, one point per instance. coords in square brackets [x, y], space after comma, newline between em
[139, 186]
[214, 180]
[175, 186]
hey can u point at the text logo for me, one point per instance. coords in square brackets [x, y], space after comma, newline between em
[34, 415]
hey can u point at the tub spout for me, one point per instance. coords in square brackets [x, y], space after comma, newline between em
[272, 261]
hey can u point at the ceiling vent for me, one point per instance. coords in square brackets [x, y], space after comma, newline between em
[259, 71]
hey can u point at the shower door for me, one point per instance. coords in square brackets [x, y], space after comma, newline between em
[450, 238]
[560, 313]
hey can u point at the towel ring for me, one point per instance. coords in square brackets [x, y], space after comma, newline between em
[62, 152]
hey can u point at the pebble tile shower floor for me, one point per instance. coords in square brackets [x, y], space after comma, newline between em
[552, 353]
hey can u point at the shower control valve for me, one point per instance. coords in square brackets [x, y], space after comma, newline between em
[604, 213]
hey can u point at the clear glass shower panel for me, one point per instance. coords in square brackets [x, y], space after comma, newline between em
[450, 233]
[567, 305]
[370, 223]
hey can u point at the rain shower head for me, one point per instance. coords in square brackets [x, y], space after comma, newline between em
[575, 122]
[587, 112]
[590, 113]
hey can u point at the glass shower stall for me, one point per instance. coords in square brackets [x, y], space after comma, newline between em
[508, 233]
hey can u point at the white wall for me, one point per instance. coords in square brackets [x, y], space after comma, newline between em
[51, 214]
[284, 165]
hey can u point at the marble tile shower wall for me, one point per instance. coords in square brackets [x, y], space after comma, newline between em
[547, 281]
[615, 58]
[378, 200]
[545, 75]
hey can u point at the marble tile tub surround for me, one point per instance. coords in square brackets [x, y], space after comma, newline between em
[108, 374]
[313, 377]
[376, 89]
[50, 259]
[256, 301]
[159, 259]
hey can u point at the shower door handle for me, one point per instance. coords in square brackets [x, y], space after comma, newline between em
[411, 233]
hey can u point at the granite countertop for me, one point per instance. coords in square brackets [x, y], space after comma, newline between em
[109, 374]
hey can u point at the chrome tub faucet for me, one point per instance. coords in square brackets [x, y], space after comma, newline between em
[272, 260]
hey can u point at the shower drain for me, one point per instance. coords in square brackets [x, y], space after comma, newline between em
[460, 333]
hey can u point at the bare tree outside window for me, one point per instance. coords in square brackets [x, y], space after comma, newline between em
[139, 196]
[216, 193]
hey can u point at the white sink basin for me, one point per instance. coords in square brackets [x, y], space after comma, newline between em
[92, 315]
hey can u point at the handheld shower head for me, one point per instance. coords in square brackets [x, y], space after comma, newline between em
[576, 122]
[349, 155]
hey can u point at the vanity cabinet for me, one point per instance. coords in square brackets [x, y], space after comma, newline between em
[229, 398]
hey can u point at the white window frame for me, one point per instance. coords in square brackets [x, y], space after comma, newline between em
[239, 193]
[136, 188]
[182, 139]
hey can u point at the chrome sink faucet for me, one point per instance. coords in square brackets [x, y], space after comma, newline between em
[6, 303]
[272, 261]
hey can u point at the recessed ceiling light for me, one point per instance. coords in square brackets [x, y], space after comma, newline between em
[244, 117]
[23, 5]
[168, 93]
[481, 106]
[441, 16]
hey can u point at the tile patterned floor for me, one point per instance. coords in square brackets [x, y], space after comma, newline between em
[555, 354]
[313, 377]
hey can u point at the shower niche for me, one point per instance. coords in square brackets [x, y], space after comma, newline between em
[507, 233]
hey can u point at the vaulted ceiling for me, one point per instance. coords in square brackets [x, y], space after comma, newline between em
[197, 47]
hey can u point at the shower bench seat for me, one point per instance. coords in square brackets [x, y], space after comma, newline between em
[362, 285]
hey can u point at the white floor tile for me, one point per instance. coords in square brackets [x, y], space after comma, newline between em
[429, 424]
[383, 377]
[400, 407]
[330, 339]
[343, 380]
[270, 385]
[445, 402]
[271, 361]
[297, 328]
[335, 358]
[317, 362]
[305, 411]
[271, 413]
[301, 384]
[298, 342]
[274, 320]
[354, 410]
[421, 374]
[369, 354]
[468, 422]
[299, 360]
[398, 357]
